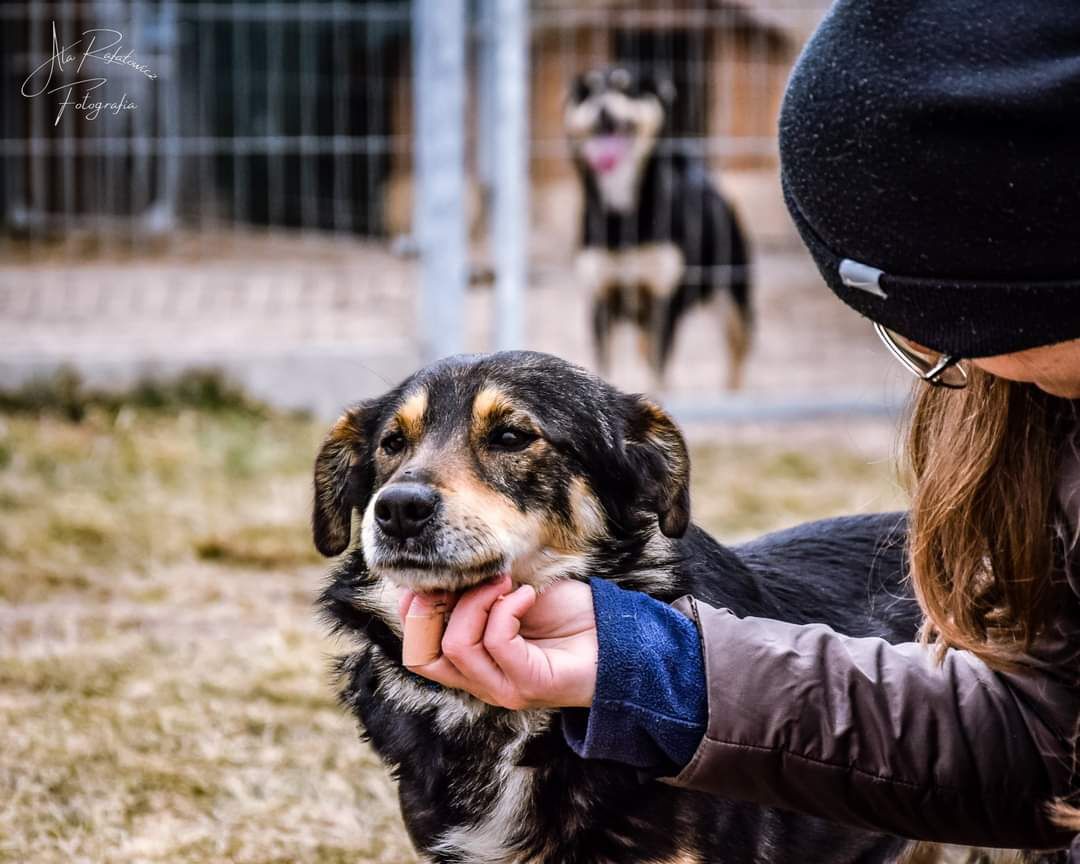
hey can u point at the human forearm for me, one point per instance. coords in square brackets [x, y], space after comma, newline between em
[876, 735]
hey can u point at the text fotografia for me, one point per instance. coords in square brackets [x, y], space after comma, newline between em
[94, 49]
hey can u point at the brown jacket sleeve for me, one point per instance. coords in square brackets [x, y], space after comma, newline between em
[879, 736]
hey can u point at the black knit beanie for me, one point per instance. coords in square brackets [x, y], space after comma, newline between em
[930, 154]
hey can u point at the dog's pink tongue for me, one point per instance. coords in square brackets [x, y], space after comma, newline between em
[604, 152]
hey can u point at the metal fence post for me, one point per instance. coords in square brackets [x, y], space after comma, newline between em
[486, 38]
[439, 203]
[510, 217]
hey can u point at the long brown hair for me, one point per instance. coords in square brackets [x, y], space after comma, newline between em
[982, 465]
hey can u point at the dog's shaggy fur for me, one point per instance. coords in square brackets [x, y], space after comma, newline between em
[544, 471]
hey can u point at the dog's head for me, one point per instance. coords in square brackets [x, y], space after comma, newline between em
[614, 118]
[514, 463]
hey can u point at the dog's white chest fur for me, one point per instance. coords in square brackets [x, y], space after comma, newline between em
[659, 266]
[619, 187]
[488, 839]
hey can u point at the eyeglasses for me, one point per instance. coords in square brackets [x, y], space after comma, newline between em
[940, 370]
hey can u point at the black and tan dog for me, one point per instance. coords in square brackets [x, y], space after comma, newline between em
[656, 235]
[521, 463]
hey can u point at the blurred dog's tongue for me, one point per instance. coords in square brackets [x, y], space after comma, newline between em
[604, 152]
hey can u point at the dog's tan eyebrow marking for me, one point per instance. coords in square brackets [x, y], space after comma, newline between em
[410, 416]
[492, 406]
[488, 401]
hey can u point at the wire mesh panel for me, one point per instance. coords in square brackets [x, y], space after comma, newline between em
[237, 206]
[250, 113]
[60, 174]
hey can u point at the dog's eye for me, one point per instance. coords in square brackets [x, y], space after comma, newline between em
[508, 438]
[392, 443]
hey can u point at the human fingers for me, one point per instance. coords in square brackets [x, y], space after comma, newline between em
[503, 640]
[422, 629]
[554, 668]
[442, 671]
[463, 641]
[439, 669]
[561, 609]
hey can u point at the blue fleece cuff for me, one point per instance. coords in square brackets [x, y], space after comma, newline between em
[650, 708]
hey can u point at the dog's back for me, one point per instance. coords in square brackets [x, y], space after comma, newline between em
[849, 572]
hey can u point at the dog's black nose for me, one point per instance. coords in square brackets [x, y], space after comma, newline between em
[403, 509]
[606, 123]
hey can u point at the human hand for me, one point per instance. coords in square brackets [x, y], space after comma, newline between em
[516, 648]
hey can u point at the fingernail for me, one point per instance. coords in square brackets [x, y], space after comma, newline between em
[425, 604]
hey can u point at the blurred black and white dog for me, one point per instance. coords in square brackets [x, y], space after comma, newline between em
[656, 236]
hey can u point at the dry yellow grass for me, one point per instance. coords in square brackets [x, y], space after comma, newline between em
[163, 686]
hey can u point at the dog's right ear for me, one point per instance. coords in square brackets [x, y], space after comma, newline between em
[344, 477]
[658, 451]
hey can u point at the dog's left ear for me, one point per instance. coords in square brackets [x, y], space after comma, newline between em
[343, 481]
[658, 452]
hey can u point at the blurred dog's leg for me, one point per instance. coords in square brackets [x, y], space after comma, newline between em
[601, 322]
[738, 329]
[595, 276]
